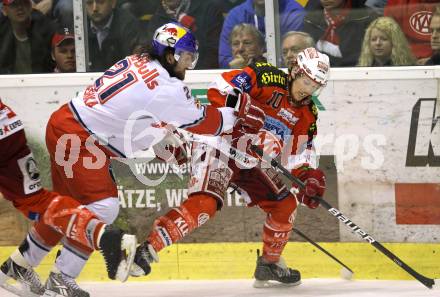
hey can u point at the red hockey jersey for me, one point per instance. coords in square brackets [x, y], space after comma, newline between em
[295, 127]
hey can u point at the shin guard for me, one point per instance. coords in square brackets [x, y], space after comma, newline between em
[74, 220]
[179, 222]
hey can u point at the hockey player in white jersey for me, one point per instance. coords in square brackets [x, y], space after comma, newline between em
[54, 216]
[121, 115]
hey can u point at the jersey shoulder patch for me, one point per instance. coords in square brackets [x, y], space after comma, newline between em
[242, 81]
[269, 75]
[31, 174]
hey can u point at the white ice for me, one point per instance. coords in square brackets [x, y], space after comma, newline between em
[243, 288]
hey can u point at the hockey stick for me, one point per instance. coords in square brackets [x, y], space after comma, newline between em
[239, 156]
[346, 272]
[428, 282]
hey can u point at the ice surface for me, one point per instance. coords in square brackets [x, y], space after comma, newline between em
[243, 288]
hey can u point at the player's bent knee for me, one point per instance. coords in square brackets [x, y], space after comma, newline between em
[106, 209]
[68, 216]
[201, 204]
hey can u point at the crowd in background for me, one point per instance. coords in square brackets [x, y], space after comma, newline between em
[36, 35]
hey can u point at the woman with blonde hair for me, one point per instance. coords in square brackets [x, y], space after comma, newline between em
[385, 45]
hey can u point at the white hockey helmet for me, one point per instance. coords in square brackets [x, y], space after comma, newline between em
[176, 36]
[313, 64]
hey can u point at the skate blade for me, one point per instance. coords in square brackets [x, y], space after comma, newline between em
[436, 285]
[20, 290]
[48, 293]
[136, 271]
[129, 243]
[260, 284]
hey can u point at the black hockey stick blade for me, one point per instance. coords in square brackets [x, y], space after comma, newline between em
[428, 282]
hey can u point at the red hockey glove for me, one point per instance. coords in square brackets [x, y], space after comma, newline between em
[171, 154]
[173, 148]
[250, 118]
[314, 181]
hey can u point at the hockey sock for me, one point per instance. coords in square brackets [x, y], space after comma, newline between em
[19, 259]
[38, 243]
[279, 222]
[178, 222]
[275, 237]
[71, 261]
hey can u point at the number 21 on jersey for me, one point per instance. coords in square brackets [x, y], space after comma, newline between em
[112, 82]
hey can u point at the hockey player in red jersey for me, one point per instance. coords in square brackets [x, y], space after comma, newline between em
[122, 114]
[54, 216]
[289, 129]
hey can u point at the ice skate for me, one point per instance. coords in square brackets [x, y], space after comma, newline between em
[145, 255]
[61, 285]
[275, 274]
[118, 250]
[16, 268]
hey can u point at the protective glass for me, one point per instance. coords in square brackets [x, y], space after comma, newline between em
[187, 59]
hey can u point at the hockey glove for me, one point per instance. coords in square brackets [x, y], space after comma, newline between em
[314, 181]
[250, 118]
[173, 148]
[171, 154]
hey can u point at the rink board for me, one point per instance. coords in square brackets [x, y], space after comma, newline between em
[237, 261]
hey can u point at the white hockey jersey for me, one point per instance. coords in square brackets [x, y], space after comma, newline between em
[125, 106]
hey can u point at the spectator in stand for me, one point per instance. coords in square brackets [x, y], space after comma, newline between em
[293, 43]
[385, 45]
[143, 10]
[227, 5]
[63, 51]
[25, 36]
[413, 16]
[62, 11]
[253, 12]
[43, 6]
[112, 32]
[377, 5]
[247, 45]
[339, 29]
[203, 18]
[434, 26]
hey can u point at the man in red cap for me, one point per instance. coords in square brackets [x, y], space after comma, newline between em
[25, 39]
[63, 51]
